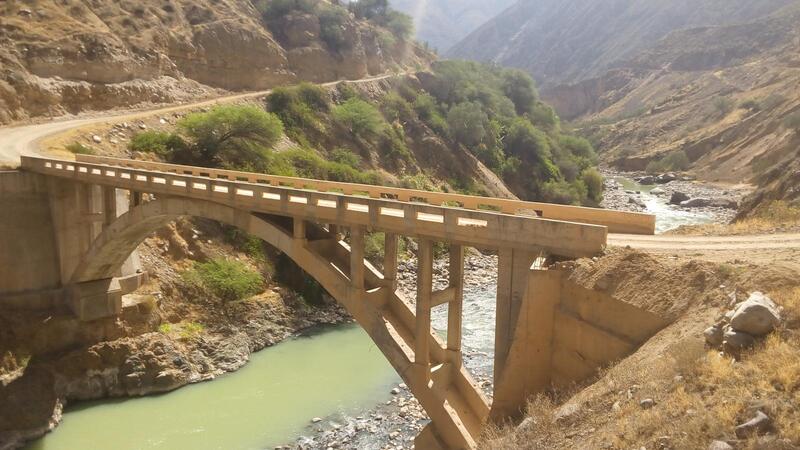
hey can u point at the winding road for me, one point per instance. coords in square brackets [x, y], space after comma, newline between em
[16, 141]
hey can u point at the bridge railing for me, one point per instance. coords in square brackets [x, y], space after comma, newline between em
[615, 221]
[475, 228]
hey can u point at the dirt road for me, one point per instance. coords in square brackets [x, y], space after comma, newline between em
[777, 249]
[16, 141]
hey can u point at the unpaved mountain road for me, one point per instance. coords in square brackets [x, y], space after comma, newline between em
[783, 249]
[16, 141]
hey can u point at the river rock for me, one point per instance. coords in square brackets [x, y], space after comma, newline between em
[658, 191]
[759, 424]
[666, 178]
[720, 445]
[725, 203]
[637, 202]
[757, 316]
[646, 180]
[699, 202]
[678, 198]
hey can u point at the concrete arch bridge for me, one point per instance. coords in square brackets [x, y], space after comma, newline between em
[92, 213]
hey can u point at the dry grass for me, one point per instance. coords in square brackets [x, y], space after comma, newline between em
[712, 396]
[775, 216]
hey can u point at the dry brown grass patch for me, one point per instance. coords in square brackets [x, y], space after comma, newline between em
[774, 216]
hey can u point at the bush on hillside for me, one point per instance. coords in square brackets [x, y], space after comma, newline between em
[520, 89]
[593, 181]
[792, 121]
[396, 108]
[79, 149]
[275, 9]
[468, 123]
[723, 105]
[751, 105]
[228, 136]
[308, 164]
[360, 118]
[332, 22]
[228, 279]
[675, 161]
[158, 142]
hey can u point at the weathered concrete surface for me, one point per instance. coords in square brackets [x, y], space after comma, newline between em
[563, 335]
[28, 253]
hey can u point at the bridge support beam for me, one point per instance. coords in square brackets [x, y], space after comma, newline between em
[94, 300]
[513, 274]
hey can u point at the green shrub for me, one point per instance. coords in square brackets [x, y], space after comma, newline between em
[361, 118]
[563, 192]
[346, 157]
[723, 105]
[158, 142]
[396, 108]
[792, 121]
[675, 161]
[428, 111]
[400, 24]
[229, 280]
[751, 105]
[275, 9]
[332, 22]
[79, 149]
[315, 96]
[308, 164]
[299, 108]
[593, 181]
[468, 123]
[229, 136]
[518, 86]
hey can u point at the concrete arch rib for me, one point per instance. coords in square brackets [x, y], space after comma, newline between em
[386, 317]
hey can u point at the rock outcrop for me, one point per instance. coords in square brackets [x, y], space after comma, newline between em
[66, 57]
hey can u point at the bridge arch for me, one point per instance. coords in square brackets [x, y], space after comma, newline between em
[455, 404]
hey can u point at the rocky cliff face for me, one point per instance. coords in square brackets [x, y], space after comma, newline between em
[73, 55]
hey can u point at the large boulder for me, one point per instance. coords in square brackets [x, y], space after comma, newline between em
[678, 198]
[666, 178]
[645, 180]
[757, 316]
[699, 202]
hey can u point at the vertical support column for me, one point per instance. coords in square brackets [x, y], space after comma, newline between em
[357, 257]
[135, 199]
[455, 307]
[109, 205]
[299, 229]
[513, 270]
[422, 356]
[390, 261]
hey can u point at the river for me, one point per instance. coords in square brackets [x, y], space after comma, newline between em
[334, 373]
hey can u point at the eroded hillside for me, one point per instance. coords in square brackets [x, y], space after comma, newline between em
[74, 55]
[570, 41]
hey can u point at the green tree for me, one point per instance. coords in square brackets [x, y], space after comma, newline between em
[519, 87]
[158, 142]
[332, 22]
[361, 118]
[468, 123]
[229, 136]
[593, 181]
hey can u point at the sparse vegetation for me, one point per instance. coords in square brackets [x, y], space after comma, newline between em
[792, 122]
[675, 161]
[79, 149]
[723, 105]
[229, 280]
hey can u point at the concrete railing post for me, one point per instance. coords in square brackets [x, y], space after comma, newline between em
[424, 293]
[357, 257]
[455, 307]
[390, 261]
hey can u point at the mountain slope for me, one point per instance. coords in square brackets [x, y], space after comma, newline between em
[72, 55]
[442, 23]
[568, 41]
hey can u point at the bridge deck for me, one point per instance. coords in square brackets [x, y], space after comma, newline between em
[404, 215]
[622, 222]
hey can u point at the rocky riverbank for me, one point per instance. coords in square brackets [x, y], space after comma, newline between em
[169, 335]
[640, 192]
